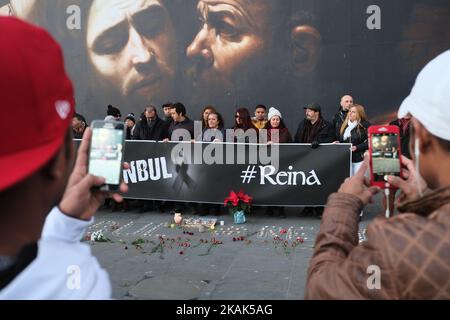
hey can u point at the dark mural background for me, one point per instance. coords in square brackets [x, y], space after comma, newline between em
[240, 53]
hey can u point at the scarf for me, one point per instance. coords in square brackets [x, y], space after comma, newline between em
[348, 131]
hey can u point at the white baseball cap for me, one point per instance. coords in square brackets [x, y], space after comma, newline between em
[429, 101]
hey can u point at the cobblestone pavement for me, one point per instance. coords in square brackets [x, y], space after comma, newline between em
[213, 265]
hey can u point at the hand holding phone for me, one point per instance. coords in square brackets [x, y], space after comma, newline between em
[80, 200]
[106, 153]
[385, 155]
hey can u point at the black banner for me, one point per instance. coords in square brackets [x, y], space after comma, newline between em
[306, 177]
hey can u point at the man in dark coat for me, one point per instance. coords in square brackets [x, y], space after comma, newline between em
[180, 121]
[339, 118]
[150, 127]
[314, 129]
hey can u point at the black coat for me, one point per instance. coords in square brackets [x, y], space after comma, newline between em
[157, 133]
[359, 139]
[212, 135]
[325, 134]
[187, 124]
[337, 122]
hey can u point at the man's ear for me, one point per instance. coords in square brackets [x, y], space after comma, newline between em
[55, 168]
[62, 162]
[424, 136]
[305, 49]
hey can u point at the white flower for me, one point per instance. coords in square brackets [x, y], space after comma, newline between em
[98, 236]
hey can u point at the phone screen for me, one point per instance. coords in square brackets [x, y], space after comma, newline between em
[385, 156]
[106, 154]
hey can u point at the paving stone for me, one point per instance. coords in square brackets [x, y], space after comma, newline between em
[232, 271]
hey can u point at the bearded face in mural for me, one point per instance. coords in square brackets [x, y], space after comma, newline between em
[131, 53]
[243, 43]
[132, 48]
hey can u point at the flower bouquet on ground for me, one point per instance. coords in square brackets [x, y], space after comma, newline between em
[239, 204]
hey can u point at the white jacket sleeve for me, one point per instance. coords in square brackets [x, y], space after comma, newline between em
[60, 227]
[64, 268]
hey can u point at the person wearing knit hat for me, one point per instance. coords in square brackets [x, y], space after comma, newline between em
[274, 112]
[39, 252]
[115, 112]
[130, 124]
[277, 132]
[131, 117]
[277, 125]
[314, 130]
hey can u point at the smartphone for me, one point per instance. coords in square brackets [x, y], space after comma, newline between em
[106, 153]
[385, 155]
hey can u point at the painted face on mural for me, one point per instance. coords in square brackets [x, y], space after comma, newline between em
[425, 36]
[233, 39]
[132, 47]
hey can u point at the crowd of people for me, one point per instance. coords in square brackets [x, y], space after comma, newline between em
[349, 125]
[410, 251]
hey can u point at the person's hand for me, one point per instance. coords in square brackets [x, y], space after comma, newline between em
[79, 200]
[270, 143]
[359, 185]
[409, 185]
[336, 142]
[354, 149]
[166, 140]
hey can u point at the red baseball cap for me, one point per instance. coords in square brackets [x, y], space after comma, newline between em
[36, 94]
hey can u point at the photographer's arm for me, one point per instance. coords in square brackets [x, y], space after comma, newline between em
[338, 269]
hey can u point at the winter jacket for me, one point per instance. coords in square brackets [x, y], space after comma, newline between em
[325, 134]
[210, 135]
[359, 139]
[406, 257]
[60, 267]
[187, 124]
[284, 135]
[157, 132]
[337, 122]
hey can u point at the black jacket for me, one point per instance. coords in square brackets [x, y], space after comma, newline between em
[325, 134]
[158, 132]
[359, 139]
[210, 135]
[187, 124]
[337, 122]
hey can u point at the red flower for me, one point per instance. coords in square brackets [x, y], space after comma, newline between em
[301, 240]
[242, 196]
[247, 199]
[238, 202]
[234, 198]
